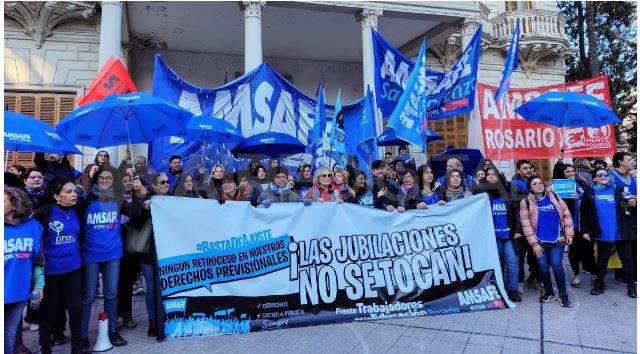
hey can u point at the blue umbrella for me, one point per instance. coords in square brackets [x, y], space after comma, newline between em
[213, 130]
[24, 133]
[123, 119]
[270, 144]
[389, 138]
[568, 109]
[470, 158]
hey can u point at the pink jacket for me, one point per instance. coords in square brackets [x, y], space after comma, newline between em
[529, 217]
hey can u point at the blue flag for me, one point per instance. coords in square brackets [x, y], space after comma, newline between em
[367, 149]
[407, 118]
[338, 145]
[317, 135]
[510, 64]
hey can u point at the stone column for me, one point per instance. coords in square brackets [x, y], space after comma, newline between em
[110, 45]
[467, 29]
[252, 13]
[369, 20]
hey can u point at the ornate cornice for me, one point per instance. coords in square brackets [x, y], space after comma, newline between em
[39, 18]
[252, 8]
[447, 51]
[368, 17]
[531, 53]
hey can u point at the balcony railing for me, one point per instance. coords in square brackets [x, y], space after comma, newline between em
[533, 23]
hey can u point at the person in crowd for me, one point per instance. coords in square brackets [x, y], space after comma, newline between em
[57, 166]
[363, 195]
[600, 163]
[455, 164]
[278, 190]
[102, 248]
[129, 264]
[534, 170]
[18, 170]
[407, 160]
[175, 170]
[213, 187]
[304, 181]
[102, 158]
[388, 157]
[581, 250]
[453, 189]
[583, 171]
[253, 165]
[390, 172]
[291, 181]
[160, 183]
[548, 226]
[622, 174]
[11, 180]
[230, 190]
[260, 178]
[427, 185]
[22, 265]
[343, 192]
[477, 177]
[61, 223]
[384, 189]
[335, 168]
[505, 218]
[518, 191]
[185, 187]
[34, 186]
[604, 218]
[409, 197]
[83, 183]
[247, 188]
[323, 188]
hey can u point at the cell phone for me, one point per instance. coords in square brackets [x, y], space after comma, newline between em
[136, 178]
[561, 151]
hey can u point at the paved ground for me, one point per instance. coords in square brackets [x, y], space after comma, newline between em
[595, 324]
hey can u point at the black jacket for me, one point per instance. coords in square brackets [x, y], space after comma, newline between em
[627, 224]
[52, 169]
[391, 197]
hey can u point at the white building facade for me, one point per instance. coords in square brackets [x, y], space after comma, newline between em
[53, 50]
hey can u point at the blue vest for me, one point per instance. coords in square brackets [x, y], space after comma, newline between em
[21, 247]
[548, 221]
[61, 247]
[500, 219]
[103, 241]
[433, 199]
[605, 203]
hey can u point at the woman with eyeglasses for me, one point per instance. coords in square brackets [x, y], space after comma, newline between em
[322, 190]
[102, 247]
[304, 180]
[604, 218]
[231, 190]
[278, 190]
[581, 250]
[548, 227]
[22, 266]
[61, 222]
[409, 197]
[34, 186]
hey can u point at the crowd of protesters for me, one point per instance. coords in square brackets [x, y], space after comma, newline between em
[64, 228]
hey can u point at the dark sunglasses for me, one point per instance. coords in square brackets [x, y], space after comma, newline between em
[163, 182]
[325, 176]
[602, 175]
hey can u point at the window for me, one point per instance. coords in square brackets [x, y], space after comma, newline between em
[518, 5]
[454, 132]
[49, 107]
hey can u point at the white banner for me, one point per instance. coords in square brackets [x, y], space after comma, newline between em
[233, 268]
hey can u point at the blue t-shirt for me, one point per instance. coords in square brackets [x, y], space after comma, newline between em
[103, 241]
[60, 245]
[548, 221]
[605, 203]
[433, 199]
[366, 200]
[633, 187]
[500, 219]
[21, 247]
[575, 214]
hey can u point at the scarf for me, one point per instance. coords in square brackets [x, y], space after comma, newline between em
[405, 189]
[33, 193]
[103, 193]
[599, 187]
[454, 193]
[236, 196]
[278, 190]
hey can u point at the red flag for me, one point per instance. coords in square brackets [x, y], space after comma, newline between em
[113, 78]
